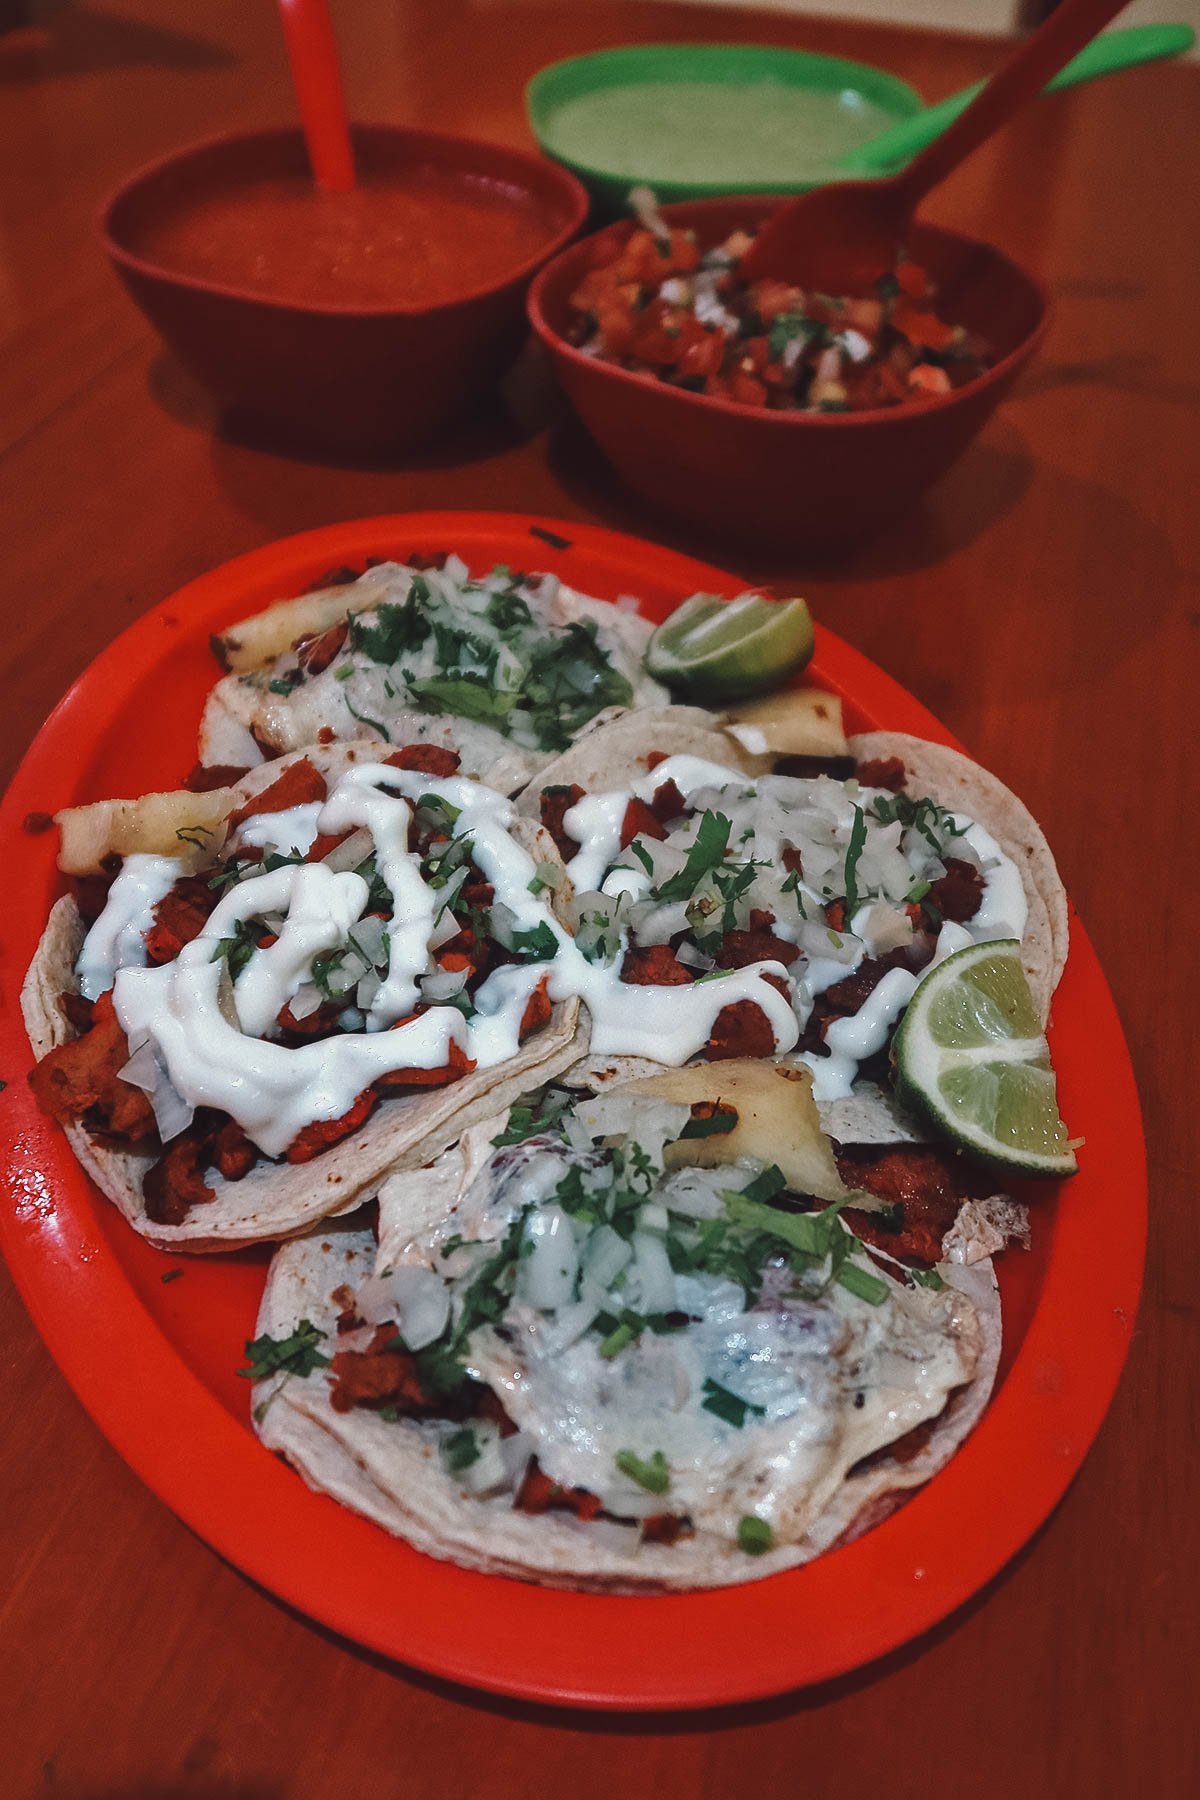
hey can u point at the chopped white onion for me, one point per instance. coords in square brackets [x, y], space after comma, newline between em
[444, 985]
[608, 1534]
[305, 1001]
[606, 1255]
[356, 849]
[488, 1471]
[570, 1323]
[415, 1298]
[547, 1278]
[141, 1071]
[172, 1113]
[516, 1451]
[655, 1276]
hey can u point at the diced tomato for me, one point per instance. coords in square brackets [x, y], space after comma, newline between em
[640, 821]
[769, 298]
[668, 802]
[912, 280]
[927, 379]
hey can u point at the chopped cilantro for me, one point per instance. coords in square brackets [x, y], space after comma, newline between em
[294, 1355]
[237, 949]
[532, 1117]
[730, 1407]
[443, 814]
[508, 612]
[469, 695]
[857, 1280]
[786, 327]
[538, 944]
[396, 628]
[707, 852]
[754, 1535]
[854, 850]
[617, 1340]
[653, 1475]
[765, 1185]
[715, 1124]
[460, 1451]
[927, 1278]
[925, 816]
[363, 719]
[280, 686]
[344, 673]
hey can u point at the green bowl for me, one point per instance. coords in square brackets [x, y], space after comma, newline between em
[614, 151]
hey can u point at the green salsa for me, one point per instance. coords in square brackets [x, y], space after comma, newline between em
[768, 130]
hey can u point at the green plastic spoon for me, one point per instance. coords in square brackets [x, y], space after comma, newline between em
[1103, 56]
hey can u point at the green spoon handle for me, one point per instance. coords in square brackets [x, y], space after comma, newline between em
[1103, 56]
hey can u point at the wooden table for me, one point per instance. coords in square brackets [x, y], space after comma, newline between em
[1043, 602]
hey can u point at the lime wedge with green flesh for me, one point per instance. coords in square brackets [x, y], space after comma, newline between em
[971, 1056]
[713, 650]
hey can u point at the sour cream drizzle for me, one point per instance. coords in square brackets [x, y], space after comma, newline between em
[595, 822]
[117, 939]
[209, 1037]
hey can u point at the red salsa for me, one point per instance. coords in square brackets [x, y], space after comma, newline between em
[407, 239]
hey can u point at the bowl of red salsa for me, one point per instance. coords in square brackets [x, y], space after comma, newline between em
[767, 413]
[359, 322]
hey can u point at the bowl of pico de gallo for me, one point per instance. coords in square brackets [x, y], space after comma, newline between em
[764, 412]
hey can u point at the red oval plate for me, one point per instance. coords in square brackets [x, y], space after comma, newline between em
[153, 1359]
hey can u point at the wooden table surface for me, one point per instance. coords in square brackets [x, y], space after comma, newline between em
[1043, 602]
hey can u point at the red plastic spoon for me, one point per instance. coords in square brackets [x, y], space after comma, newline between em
[312, 53]
[841, 238]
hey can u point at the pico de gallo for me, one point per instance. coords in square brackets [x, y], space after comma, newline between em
[665, 308]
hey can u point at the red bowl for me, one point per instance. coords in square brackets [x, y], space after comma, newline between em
[345, 377]
[788, 480]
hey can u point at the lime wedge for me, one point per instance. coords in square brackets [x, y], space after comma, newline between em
[715, 650]
[971, 1055]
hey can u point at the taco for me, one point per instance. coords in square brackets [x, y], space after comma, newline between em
[780, 913]
[261, 997]
[507, 669]
[587, 1351]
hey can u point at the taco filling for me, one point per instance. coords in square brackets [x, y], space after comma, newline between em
[568, 1316]
[519, 662]
[777, 914]
[347, 944]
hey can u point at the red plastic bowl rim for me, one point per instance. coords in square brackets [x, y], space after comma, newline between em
[572, 191]
[783, 421]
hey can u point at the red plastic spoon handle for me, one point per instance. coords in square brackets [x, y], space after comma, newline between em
[312, 53]
[1071, 25]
